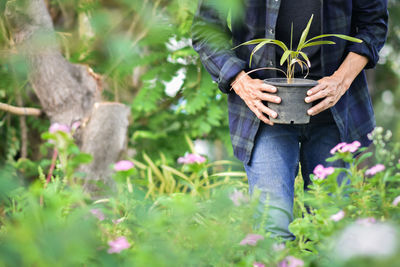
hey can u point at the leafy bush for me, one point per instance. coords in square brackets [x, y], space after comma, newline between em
[355, 223]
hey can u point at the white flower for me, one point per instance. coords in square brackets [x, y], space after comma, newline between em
[366, 240]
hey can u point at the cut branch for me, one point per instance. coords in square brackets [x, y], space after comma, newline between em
[22, 126]
[20, 110]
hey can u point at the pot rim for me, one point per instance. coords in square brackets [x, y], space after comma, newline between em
[297, 82]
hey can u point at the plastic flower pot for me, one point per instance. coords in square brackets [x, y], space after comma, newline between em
[293, 108]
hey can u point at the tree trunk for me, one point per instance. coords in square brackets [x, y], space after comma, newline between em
[68, 92]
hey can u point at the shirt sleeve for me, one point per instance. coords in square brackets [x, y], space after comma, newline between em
[369, 22]
[212, 40]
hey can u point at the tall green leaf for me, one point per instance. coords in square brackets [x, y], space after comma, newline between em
[305, 33]
[304, 55]
[252, 42]
[280, 44]
[258, 47]
[341, 36]
[285, 56]
[317, 43]
[257, 41]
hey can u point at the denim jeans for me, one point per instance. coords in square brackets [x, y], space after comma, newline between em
[274, 166]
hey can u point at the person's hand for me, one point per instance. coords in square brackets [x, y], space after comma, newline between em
[253, 92]
[330, 89]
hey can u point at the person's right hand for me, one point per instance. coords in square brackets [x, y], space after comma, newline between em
[253, 92]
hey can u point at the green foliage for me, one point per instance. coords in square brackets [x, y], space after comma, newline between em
[365, 199]
[70, 157]
[138, 47]
[44, 226]
[195, 179]
[164, 224]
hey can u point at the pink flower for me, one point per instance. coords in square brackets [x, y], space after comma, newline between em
[238, 197]
[322, 172]
[344, 147]
[75, 125]
[353, 147]
[338, 216]
[251, 239]
[57, 127]
[123, 165]
[191, 158]
[375, 169]
[117, 245]
[258, 264]
[396, 201]
[291, 261]
[366, 221]
[337, 147]
[98, 214]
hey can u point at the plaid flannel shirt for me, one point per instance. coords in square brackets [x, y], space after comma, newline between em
[213, 40]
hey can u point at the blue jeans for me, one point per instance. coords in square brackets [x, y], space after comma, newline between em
[274, 166]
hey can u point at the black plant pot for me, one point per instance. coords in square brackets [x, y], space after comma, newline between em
[293, 108]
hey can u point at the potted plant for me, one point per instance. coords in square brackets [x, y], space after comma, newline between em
[292, 91]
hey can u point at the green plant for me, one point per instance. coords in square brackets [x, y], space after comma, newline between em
[366, 196]
[197, 179]
[291, 56]
[45, 224]
[68, 154]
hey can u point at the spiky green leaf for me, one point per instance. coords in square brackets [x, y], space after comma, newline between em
[341, 36]
[317, 43]
[305, 33]
[252, 42]
[285, 56]
[304, 55]
[280, 44]
[258, 47]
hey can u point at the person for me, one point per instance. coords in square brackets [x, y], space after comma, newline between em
[341, 110]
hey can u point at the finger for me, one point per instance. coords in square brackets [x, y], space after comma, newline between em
[261, 107]
[317, 88]
[270, 98]
[318, 95]
[261, 116]
[321, 106]
[267, 88]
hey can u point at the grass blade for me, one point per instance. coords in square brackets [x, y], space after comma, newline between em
[177, 173]
[231, 174]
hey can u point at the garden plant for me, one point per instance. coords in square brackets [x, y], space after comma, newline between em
[144, 221]
[292, 91]
[291, 56]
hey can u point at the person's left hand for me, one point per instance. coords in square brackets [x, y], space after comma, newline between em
[330, 89]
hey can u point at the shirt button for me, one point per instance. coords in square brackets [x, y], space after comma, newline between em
[270, 63]
[271, 31]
